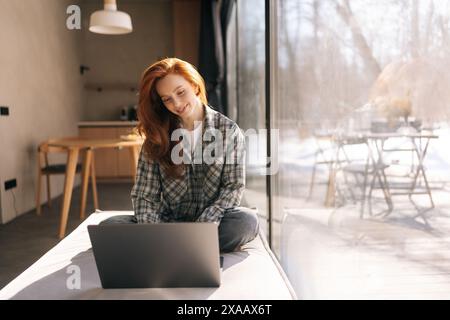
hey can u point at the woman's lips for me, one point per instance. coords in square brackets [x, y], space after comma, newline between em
[183, 110]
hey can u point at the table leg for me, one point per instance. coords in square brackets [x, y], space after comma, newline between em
[313, 177]
[364, 187]
[85, 181]
[94, 183]
[379, 173]
[421, 153]
[330, 196]
[68, 188]
[39, 184]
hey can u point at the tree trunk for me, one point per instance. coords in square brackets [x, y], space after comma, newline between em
[346, 14]
[415, 30]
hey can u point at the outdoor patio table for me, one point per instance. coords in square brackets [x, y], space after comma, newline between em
[419, 142]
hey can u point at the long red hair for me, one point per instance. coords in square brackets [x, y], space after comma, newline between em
[156, 122]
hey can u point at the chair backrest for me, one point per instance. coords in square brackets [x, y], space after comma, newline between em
[44, 149]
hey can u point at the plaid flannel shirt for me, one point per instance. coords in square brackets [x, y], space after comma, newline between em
[205, 191]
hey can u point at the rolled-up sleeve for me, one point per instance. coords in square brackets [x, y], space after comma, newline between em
[232, 183]
[146, 192]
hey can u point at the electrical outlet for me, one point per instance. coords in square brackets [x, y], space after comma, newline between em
[4, 111]
[10, 184]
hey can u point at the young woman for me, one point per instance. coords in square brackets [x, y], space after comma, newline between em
[191, 166]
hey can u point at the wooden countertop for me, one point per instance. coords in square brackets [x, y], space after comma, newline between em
[107, 123]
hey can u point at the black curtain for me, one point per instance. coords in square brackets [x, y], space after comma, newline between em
[215, 17]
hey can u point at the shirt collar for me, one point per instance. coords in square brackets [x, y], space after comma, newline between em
[209, 118]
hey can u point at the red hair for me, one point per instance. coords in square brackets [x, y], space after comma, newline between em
[156, 122]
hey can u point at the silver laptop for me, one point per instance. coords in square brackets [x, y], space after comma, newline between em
[156, 255]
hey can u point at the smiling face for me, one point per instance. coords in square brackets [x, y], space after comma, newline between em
[178, 95]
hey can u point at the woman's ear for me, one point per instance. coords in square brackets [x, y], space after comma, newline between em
[197, 90]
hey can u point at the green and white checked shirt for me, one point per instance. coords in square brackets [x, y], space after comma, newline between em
[205, 191]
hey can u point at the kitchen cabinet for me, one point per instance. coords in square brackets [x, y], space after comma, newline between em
[109, 163]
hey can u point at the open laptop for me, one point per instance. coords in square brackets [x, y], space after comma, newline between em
[156, 255]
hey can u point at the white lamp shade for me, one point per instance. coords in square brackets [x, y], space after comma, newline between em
[110, 22]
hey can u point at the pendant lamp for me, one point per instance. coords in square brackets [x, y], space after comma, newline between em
[110, 20]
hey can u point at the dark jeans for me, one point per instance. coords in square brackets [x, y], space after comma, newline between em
[238, 226]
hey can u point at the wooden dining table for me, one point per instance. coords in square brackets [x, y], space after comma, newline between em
[86, 145]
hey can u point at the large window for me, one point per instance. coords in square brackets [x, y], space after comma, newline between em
[250, 65]
[361, 199]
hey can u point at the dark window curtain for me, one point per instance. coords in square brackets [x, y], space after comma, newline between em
[215, 17]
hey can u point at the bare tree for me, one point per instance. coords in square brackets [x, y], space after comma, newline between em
[316, 20]
[444, 27]
[428, 35]
[415, 30]
[290, 40]
[345, 12]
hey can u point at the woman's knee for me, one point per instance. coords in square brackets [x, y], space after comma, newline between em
[251, 221]
[122, 219]
[238, 226]
[246, 220]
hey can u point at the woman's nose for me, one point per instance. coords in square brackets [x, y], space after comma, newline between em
[176, 102]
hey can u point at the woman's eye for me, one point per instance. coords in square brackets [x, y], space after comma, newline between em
[180, 92]
[166, 100]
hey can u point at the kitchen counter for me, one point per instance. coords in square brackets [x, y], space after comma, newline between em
[107, 124]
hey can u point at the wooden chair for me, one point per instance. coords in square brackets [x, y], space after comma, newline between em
[46, 169]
